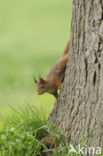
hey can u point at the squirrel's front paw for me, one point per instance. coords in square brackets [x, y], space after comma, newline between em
[55, 103]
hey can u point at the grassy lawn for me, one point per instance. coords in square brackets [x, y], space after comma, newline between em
[27, 133]
[33, 34]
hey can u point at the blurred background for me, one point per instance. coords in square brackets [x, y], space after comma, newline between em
[33, 35]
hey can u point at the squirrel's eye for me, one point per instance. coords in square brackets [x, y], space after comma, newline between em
[42, 87]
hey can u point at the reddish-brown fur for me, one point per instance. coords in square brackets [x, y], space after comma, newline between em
[54, 78]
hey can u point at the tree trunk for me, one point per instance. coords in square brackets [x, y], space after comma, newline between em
[79, 109]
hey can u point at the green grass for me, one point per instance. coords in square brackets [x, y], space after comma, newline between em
[33, 34]
[27, 132]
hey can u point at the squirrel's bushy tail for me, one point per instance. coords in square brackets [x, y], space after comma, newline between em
[66, 49]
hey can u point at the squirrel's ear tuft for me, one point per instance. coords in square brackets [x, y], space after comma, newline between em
[41, 80]
[35, 80]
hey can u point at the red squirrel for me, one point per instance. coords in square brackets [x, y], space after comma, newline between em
[54, 79]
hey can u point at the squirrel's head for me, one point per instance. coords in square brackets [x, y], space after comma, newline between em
[40, 85]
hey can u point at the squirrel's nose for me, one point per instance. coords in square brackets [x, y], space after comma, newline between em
[39, 92]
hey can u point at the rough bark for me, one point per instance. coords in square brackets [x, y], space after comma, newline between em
[79, 109]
